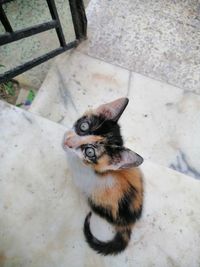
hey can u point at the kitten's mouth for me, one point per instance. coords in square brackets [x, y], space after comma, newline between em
[65, 147]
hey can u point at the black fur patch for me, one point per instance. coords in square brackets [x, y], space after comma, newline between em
[101, 211]
[108, 129]
[125, 214]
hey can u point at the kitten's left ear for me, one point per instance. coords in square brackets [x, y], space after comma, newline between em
[127, 159]
[113, 110]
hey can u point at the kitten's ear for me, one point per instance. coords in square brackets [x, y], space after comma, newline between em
[113, 110]
[126, 160]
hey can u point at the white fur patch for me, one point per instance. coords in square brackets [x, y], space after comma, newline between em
[84, 176]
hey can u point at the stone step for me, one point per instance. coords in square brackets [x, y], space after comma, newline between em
[77, 82]
[159, 39]
[42, 213]
[161, 121]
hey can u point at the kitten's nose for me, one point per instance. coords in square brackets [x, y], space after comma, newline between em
[70, 140]
[69, 143]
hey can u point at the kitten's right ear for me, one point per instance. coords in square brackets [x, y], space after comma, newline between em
[127, 159]
[113, 110]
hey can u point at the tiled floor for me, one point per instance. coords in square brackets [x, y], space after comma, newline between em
[42, 214]
[161, 121]
[158, 38]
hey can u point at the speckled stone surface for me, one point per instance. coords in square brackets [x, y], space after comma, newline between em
[42, 213]
[23, 13]
[159, 39]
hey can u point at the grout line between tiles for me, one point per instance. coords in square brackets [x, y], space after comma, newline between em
[130, 79]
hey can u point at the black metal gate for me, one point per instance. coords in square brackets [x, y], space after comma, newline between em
[80, 28]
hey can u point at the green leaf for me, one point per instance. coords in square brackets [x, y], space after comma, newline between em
[31, 95]
[2, 66]
[19, 105]
[9, 88]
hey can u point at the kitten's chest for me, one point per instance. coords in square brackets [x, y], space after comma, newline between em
[85, 178]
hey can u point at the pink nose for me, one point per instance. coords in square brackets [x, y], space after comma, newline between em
[69, 142]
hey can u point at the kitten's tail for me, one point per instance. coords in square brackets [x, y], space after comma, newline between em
[114, 246]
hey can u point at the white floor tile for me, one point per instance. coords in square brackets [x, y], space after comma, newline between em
[162, 122]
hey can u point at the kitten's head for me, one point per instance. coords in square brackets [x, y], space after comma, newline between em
[96, 139]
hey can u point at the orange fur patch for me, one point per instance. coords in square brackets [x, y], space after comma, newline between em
[109, 197]
[103, 162]
[134, 176]
[122, 228]
[76, 140]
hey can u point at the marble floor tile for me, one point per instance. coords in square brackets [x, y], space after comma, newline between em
[165, 125]
[42, 213]
[76, 83]
[159, 39]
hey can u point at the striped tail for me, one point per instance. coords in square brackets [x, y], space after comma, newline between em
[114, 246]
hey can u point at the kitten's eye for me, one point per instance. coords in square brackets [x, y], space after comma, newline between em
[84, 126]
[90, 152]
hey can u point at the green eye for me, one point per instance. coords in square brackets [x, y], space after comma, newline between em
[84, 126]
[90, 152]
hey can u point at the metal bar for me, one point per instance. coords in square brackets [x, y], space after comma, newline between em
[54, 15]
[6, 76]
[5, 20]
[20, 34]
[80, 27]
[79, 18]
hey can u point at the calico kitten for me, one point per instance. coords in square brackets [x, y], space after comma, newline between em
[107, 173]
